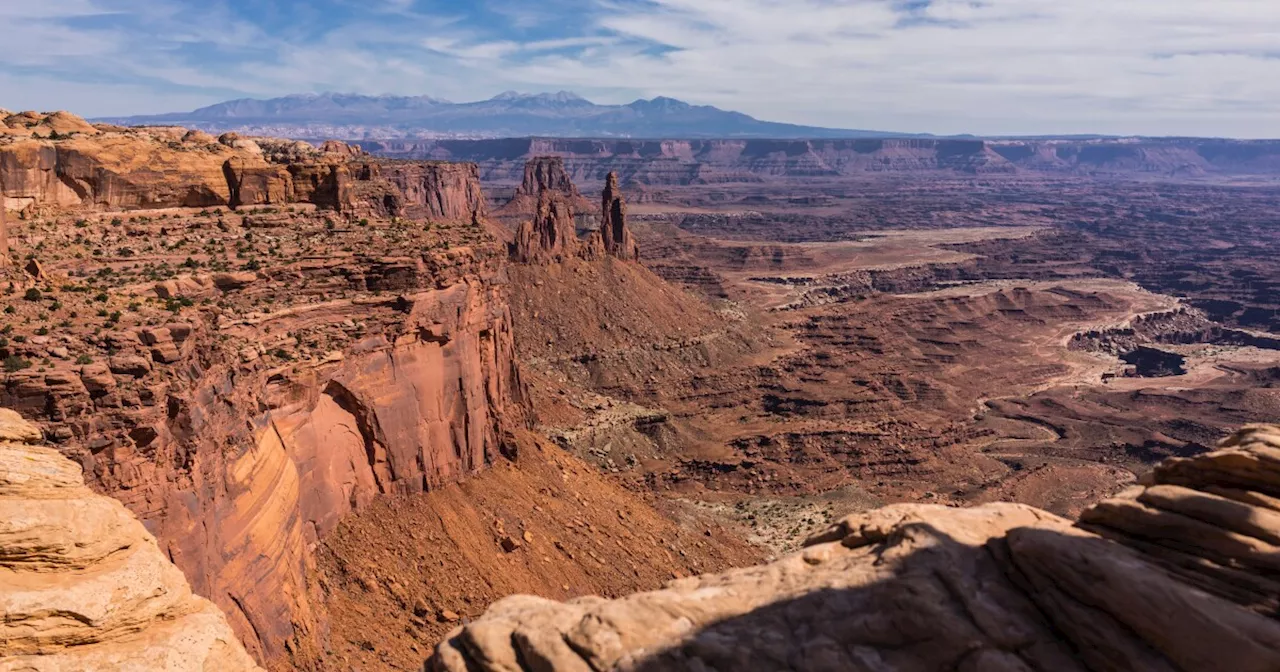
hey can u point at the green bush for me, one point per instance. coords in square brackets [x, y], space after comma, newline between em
[33, 294]
[14, 363]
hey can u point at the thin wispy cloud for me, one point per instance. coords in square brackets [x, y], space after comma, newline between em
[946, 66]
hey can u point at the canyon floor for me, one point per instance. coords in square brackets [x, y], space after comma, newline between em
[941, 341]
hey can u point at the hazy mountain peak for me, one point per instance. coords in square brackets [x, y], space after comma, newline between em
[508, 114]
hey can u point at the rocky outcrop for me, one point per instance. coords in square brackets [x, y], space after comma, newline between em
[239, 468]
[543, 173]
[1174, 575]
[439, 191]
[249, 183]
[546, 173]
[240, 431]
[83, 585]
[550, 236]
[43, 125]
[614, 232]
[171, 167]
[112, 170]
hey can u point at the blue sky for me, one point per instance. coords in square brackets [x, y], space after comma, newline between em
[1194, 67]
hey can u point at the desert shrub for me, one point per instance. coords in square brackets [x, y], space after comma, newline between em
[14, 363]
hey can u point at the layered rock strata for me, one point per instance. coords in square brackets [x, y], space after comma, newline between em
[171, 167]
[4, 232]
[240, 412]
[670, 162]
[1174, 575]
[239, 467]
[83, 585]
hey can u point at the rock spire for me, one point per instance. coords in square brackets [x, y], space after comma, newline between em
[550, 235]
[618, 240]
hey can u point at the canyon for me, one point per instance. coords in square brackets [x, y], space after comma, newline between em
[359, 395]
[716, 161]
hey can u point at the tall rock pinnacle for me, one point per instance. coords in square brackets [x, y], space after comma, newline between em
[613, 223]
[550, 236]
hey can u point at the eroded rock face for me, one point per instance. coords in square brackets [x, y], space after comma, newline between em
[239, 469]
[543, 173]
[443, 191]
[240, 447]
[614, 233]
[1174, 575]
[546, 173]
[172, 167]
[84, 586]
[550, 236]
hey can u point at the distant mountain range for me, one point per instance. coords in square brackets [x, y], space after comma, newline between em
[511, 114]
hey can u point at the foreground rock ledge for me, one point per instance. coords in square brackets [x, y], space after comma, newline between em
[1178, 574]
[83, 586]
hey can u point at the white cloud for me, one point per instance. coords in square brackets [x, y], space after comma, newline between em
[946, 66]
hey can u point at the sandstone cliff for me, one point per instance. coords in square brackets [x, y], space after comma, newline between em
[658, 162]
[84, 586]
[239, 467]
[1173, 575]
[241, 412]
[443, 191]
[4, 233]
[170, 167]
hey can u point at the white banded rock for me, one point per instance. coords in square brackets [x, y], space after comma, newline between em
[1176, 575]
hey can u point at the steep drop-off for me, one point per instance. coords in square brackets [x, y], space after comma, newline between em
[83, 586]
[242, 408]
[1176, 575]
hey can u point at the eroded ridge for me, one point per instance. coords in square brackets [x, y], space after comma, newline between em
[1175, 574]
[83, 585]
